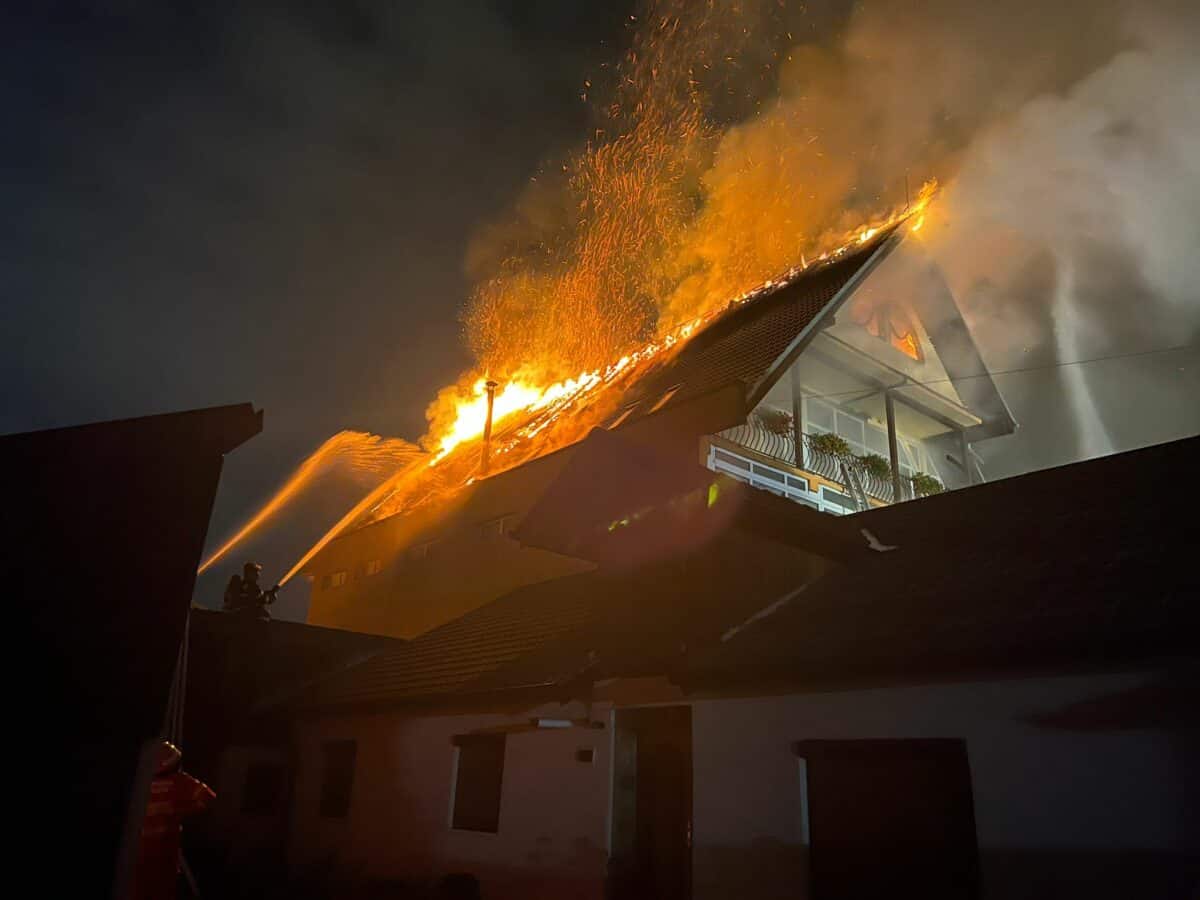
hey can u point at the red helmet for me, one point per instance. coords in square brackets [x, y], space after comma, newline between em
[168, 757]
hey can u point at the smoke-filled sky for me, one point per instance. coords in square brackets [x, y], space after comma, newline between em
[275, 203]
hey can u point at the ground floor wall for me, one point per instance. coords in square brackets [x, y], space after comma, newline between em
[1058, 812]
[551, 834]
[1064, 803]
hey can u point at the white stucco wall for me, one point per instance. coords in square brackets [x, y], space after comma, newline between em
[553, 812]
[1042, 797]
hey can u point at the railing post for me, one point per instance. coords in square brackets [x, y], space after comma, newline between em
[893, 450]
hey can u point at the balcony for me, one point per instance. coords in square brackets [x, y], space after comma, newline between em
[836, 469]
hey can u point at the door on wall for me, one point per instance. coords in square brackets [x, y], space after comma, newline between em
[652, 804]
[890, 818]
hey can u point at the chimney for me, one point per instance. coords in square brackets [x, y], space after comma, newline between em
[487, 428]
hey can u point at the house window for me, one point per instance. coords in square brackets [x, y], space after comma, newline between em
[851, 427]
[477, 782]
[372, 566]
[333, 580]
[820, 415]
[262, 788]
[337, 777]
[877, 441]
[731, 460]
[906, 805]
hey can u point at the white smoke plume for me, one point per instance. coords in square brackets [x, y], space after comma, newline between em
[1067, 139]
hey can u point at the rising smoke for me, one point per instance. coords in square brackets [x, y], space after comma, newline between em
[1065, 135]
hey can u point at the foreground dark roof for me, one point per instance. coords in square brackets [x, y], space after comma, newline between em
[1075, 566]
[1090, 563]
[236, 666]
[687, 570]
[266, 658]
[105, 524]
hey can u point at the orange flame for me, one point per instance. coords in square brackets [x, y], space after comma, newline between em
[525, 395]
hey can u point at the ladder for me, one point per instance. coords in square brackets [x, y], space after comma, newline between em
[854, 487]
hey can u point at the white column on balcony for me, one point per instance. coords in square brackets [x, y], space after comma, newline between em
[797, 418]
[889, 406]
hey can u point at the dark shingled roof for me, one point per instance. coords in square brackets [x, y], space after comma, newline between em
[237, 666]
[462, 653]
[1081, 565]
[1089, 563]
[689, 570]
[743, 344]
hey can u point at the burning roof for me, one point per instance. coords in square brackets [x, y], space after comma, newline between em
[749, 339]
[744, 343]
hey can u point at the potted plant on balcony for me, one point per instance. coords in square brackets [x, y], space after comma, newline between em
[776, 421]
[830, 444]
[926, 485]
[876, 465]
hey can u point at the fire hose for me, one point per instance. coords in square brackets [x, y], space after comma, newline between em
[173, 726]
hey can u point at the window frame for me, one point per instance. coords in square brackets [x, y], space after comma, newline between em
[468, 776]
[335, 799]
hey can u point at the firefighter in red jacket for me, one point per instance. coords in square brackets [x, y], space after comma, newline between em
[174, 795]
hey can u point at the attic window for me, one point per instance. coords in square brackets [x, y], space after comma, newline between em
[478, 778]
[889, 322]
[665, 398]
[334, 579]
[372, 566]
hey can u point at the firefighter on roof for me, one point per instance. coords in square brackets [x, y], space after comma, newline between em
[243, 594]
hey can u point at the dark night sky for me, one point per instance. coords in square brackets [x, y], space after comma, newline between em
[265, 202]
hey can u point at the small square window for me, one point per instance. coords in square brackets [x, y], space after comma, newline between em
[820, 414]
[372, 566]
[585, 755]
[850, 427]
[877, 441]
[336, 579]
[477, 782]
[337, 777]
